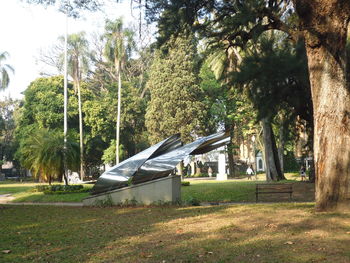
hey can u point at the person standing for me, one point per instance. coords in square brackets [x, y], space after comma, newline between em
[250, 172]
[303, 173]
[210, 171]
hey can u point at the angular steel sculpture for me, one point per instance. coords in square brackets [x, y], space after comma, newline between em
[155, 162]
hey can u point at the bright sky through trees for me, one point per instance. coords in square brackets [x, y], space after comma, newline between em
[26, 29]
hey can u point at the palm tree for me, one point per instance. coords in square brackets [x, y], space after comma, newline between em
[78, 52]
[43, 154]
[4, 71]
[118, 48]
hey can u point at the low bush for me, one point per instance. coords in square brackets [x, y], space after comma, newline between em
[48, 192]
[201, 175]
[193, 201]
[185, 183]
[60, 189]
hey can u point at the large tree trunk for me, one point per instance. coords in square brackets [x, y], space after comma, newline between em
[273, 169]
[230, 155]
[281, 147]
[325, 28]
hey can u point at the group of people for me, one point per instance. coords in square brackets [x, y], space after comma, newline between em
[251, 172]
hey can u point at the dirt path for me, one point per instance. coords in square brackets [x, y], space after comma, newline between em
[6, 198]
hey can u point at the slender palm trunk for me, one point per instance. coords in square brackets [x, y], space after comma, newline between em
[82, 173]
[118, 117]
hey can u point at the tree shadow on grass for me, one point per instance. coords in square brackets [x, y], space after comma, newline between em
[63, 234]
[249, 233]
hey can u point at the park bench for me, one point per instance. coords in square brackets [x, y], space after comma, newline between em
[273, 189]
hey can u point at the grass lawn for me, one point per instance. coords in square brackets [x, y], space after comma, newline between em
[243, 190]
[23, 193]
[219, 191]
[256, 233]
[237, 190]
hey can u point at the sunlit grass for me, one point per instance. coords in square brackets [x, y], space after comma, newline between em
[23, 192]
[233, 190]
[240, 233]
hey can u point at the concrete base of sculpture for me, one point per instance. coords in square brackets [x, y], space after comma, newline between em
[221, 177]
[163, 190]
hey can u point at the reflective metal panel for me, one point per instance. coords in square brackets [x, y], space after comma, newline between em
[164, 164]
[156, 162]
[119, 175]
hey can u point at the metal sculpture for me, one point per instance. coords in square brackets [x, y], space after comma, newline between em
[155, 162]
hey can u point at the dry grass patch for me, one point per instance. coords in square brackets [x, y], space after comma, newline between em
[251, 233]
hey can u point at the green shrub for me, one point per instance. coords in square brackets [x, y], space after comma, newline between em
[60, 189]
[41, 188]
[193, 201]
[185, 183]
[201, 175]
[48, 192]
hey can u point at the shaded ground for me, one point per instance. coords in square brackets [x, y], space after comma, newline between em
[259, 233]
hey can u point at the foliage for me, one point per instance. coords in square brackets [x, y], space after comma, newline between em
[58, 187]
[193, 201]
[43, 151]
[175, 105]
[109, 154]
[71, 8]
[43, 106]
[183, 183]
[7, 128]
[4, 71]
[119, 44]
[276, 78]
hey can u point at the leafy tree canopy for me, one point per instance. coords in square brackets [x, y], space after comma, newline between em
[175, 105]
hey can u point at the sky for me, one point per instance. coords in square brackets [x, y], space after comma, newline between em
[26, 29]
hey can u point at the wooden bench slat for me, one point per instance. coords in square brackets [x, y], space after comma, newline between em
[274, 189]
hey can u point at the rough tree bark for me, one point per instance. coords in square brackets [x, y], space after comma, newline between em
[324, 24]
[273, 169]
[230, 155]
[281, 147]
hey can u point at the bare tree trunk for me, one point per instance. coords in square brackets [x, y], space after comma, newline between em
[273, 169]
[82, 173]
[281, 147]
[325, 23]
[180, 168]
[230, 155]
[118, 117]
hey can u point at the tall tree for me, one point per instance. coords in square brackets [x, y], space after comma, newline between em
[323, 24]
[42, 109]
[7, 128]
[4, 71]
[175, 105]
[78, 52]
[118, 49]
[274, 76]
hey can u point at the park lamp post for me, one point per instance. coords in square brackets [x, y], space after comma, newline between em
[65, 95]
